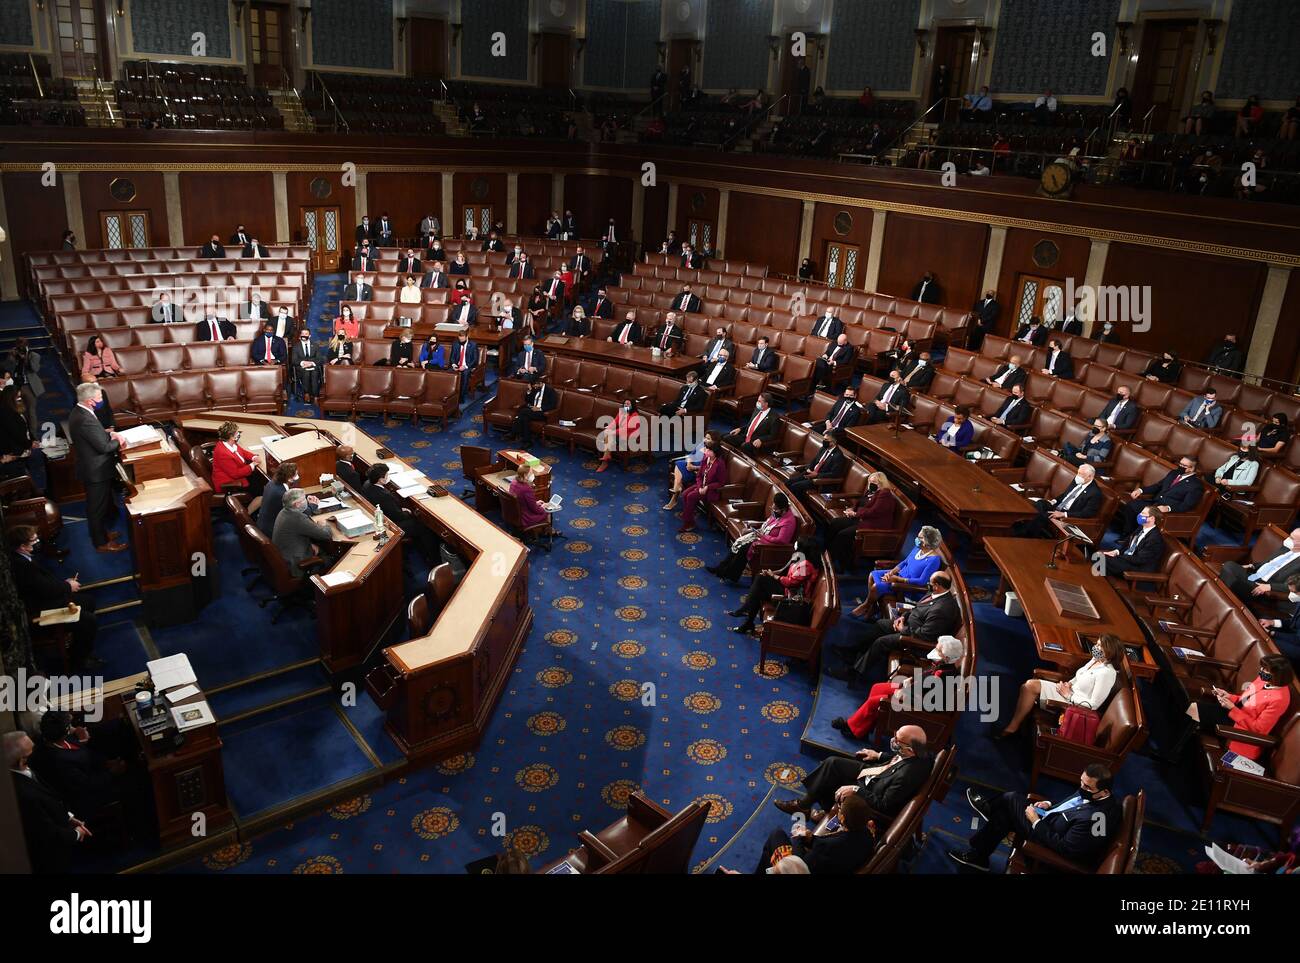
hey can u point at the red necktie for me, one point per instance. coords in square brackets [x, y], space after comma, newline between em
[752, 425]
[836, 422]
[268, 350]
[622, 338]
[821, 458]
[664, 342]
[215, 335]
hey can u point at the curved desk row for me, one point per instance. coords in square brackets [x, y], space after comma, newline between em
[438, 690]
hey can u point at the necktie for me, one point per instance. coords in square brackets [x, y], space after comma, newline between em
[686, 395]
[714, 373]
[622, 338]
[1011, 404]
[717, 346]
[663, 343]
[889, 393]
[754, 424]
[528, 359]
[216, 335]
[1201, 414]
[1137, 539]
[1114, 414]
[843, 408]
[1074, 802]
[267, 350]
[1069, 498]
[820, 460]
[537, 400]
[1273, 565]
[1003, 377]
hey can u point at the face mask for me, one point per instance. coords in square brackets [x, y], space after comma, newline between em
[294, 482]
[917, 541]
[1096, 652]
[1079, 480]
[1265, 676]
[36, 544]
[1087, 794]
[1143, 520]
[1294, 596]
[1289, 543]
[894, 744]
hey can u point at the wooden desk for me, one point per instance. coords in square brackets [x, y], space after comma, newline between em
[1023, 566]
[186, 780]
[313, 454]
[487, 335]
[438, 690]
[170, 531]
[629, 356]
[971, 498]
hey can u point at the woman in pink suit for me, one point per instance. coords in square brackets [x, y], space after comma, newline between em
[709, 479]
[778, 529]
[626, 424]
[1258, 706]
[944, 660]
[531, 511]
[98, 360]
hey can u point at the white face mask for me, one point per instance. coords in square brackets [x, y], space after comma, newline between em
[1080, 480]
[1294, 596]
[1289, 543]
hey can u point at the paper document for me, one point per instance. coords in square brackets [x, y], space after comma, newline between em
[60, 616]
[169, 672]
[325, 504]
[1227, 862]
[337, 578]
[412, 491]
[193, 715]
[184, 692]
[139, 435]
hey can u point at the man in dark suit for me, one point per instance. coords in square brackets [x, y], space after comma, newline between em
[1009, 374]
[891, 397]
[844, 414]
[1081, 498]
[362, 261]
[283, 322]
[294, 534]
[410, 264]
[1227, 357]
[376, 492]
[240, 237]
[522, 268]
[305, 366]
[764, 358]
[1179, 491]
[1032, 333]
[255, 248]
[984, 313]
[690, 259]
[436, 277]
[1272, 575]
[163, 311]
[493, 243]
[383, 235]
[465, 313]
[686, 301]
[39, 590]
[540, 400]
[51, 831]
[464, 359]
[570, 225]
[603, 307]
[1072, 324]
[830, 463]
[1016, 411]
[720, 373]
[828, 326]
[529, 363]
[358, 290]
[344, 469]
[628, 332]
[96, 451]
[755, 435]
[671, 336]
[689, 401]
[887, 782]
[363, 231]
[268, 349]
[1121, 412]
[1080, 828]
[1059, 364]
[1107, 333]
[554, 290]
[867, 660]
[718, 344]
[841, 852]
[256, 309]
[927, 290]
[837, 356]
[85, 773]
[919, 373]
[213, 328]
[580, 264]
[213, 249]
[1142, 551]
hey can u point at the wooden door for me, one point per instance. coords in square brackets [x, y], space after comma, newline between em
[555, 60]
[954, 49]
[320, 232]
[699, 234]
[80, 38]
[681, 53]
[476, 215]
[428, 48]
[121, 229]
[843, 264]
[1163, 73]
[268, 36]
[790, 75]
[1038, 297]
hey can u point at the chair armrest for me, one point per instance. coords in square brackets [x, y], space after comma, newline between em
[315, 561]
[1225, 553]
[1250, 738]
[1052, 675]
[1160, 602]
[595, 846]
[885, 564]
[1191, 632]
[1041, 854]
[1161, 577]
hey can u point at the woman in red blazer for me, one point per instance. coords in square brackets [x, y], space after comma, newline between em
[709, 479]
[875, 512]
[626, 424]
[778, 529]
[797, 580]
[231, 464]
[944, 660]
[531, 511]
[1261, 703]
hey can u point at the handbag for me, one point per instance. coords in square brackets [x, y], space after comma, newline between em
[1079, 724]
[796, 610]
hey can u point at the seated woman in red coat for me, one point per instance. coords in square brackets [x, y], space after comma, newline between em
[626, 424]
[232, 464]
[797, 580]
[531, 511]
[709, 479]
[874, 513]
[1261, 703]
[944, 660]
[778, 529]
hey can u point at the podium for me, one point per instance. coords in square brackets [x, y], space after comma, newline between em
[311, 451]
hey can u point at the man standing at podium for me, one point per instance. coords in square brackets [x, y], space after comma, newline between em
[96, 451]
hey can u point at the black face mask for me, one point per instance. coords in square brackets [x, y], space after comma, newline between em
[1087, 794]
[1265, 676]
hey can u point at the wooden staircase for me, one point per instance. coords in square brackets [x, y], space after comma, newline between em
[289, 104]
[98, 101]
[446, 112]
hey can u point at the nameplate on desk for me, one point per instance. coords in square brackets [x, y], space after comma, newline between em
[1071, 600]
[555, 339]
[353, 523]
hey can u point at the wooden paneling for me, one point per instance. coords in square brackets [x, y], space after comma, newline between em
[695, 203]
[534, 203]
[1018, 259]
[823, 231]
[654, 227]
[149, 197]
[1284, 356]
[1194, 300]
[954, 251]
[219, 203]
[37, 219]
[764, 230]
[595, 199]
[299, 194]
[406, 197]
[493, 189]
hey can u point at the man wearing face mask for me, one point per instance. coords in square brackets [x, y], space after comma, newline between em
[285, 477]
[1142, 551]
[885, 780]
[1226, 357]
[918, 374]
[756, 435]
[892, 397]
[39, 590]
[1204, 413]
[844, 414]
[1009, 374]
[1121, 412]
[1080, 499]
[1108, 333]
[305, 366]
[1247, 581]
[1096, 448]
[1080, 828]
[937, 613]
[1178, 491]
[838, 851]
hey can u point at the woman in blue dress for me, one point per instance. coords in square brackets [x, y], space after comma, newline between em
[914, 570]
[684, 470]
[432, 354]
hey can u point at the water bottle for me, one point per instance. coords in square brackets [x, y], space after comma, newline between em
[380, 531]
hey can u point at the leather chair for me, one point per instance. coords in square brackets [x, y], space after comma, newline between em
[793, 379]
[439, 587]
[441, 399]
[264, 389]
[252, 554]
[740, 399]
[510, 515]
[1273, 797]
[802, 641]
[1122, 729]
[286, 590]
[340, 391]
[407, 390]
[647, 840]
[499, 410]
[1271, 501]
[25, 505]
[474, 462]
[904, 835]
[1120, 857]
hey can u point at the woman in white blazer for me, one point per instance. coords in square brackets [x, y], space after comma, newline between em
[1090, 687]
